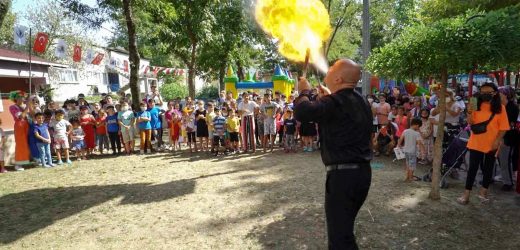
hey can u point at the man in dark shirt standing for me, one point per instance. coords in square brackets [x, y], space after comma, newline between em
[345, 122]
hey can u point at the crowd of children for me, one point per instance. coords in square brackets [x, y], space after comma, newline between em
[80, 129]
[410, 124]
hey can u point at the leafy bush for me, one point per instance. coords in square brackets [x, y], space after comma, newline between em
[173, 87]
[208, 92]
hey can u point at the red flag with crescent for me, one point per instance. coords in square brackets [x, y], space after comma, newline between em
[40, 43]
[77, 53]
[97, 60]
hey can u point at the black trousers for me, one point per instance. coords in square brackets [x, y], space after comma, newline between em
[280, 135]
[486, 162]
[346, 191]
[114, 140]
[157, 135]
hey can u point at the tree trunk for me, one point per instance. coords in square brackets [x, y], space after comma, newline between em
[240, 71]
[221, 75]
[133, 53]
[5, 5]
[437, 157]
[517, 79]
[191, 70]
[508, 77]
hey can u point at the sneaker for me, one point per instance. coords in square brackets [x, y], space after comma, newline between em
[52, 165]
[69, 162]
[141, 152]
[59, 163]
[3, 171]
[47, 166]
[19, 168]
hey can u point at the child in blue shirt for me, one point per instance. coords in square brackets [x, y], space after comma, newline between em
[155, 122]
[113, 130]
[41, 132]
[144, 119]
[219, 126]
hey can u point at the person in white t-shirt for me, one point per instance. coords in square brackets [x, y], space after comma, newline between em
[452, 121]
[412, 142]
[247, 110]
[61, 129]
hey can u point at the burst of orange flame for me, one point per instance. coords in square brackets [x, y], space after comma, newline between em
[298, 25]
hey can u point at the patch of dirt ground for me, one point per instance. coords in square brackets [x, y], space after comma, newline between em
[257, 201]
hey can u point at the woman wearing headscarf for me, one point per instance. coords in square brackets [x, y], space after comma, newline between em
[21, 129]
[488, 126]
[510, 143]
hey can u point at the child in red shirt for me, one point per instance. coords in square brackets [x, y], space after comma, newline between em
[101, 131]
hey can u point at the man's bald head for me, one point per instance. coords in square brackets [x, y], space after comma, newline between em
[344, 73]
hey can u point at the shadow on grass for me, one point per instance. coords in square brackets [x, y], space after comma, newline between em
[32, 210]
[298, 229]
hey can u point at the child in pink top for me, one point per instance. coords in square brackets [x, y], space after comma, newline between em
[401, 120]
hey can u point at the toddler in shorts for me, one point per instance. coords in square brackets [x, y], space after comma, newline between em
[78, 139]
[61, 129]
[412, 140]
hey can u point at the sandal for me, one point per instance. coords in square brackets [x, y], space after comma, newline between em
[462, 201]
[483, 199]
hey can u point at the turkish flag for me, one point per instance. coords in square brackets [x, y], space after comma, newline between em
[125, 63]
[97, 60]
[40, 43]
[77, 53]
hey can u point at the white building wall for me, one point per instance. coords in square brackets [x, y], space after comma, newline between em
[87, 78]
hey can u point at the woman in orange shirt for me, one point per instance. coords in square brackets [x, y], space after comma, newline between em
[483, 146]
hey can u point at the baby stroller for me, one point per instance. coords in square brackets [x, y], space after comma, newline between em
[452, 158]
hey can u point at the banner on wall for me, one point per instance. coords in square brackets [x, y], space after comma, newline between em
[40, 43]
[20, 36]
[89, 56]
[61, 49]
[77, 53]
[97, 60]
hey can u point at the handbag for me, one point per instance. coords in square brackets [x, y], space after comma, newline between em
[481, 127]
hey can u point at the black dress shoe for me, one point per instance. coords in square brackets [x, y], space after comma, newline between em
[507, 188]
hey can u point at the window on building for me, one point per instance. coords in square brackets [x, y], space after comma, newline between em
[68, 75]
[94, 78]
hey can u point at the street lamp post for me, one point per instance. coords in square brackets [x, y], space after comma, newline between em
[366, 46]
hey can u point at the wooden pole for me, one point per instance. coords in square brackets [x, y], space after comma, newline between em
[306, 63]
[30, 62]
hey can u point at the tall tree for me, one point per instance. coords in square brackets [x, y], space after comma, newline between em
[450, 45]
[345, 37]
[134, 55]
[5, 6]
[47, 16]
[105, 11]
[184, 26]
[431, 10]
[6, 30]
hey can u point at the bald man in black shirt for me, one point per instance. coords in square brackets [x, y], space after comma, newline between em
[345, 122]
